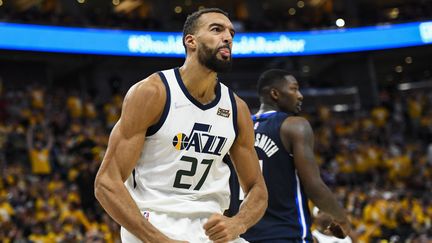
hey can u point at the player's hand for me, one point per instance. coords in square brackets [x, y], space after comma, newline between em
[222, 229]
[339, 230]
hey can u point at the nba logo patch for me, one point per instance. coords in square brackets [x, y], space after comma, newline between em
[223, 112]
[146, 215]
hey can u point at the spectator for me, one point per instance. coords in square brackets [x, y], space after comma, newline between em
[38, 152]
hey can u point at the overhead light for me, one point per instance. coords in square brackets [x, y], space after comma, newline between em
[300, 4]
[178, 9]
[408, 60]
[1, 3]
[115, 2]
[81, 1]
[292, 11]
[340, 22]
[340, 107]
[398, 69]
[393, 13]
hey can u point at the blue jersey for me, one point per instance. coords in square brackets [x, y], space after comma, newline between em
[287, 218]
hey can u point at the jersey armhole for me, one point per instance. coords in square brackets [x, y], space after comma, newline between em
[155, 128]
[234, 109]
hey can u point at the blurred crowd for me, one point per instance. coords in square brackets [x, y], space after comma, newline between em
[51, 145]
[378, 162]
[247, 15]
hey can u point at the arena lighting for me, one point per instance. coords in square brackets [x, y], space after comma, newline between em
[408, 60]
[340, 22]
[292, 11]
[416, 85]
[169, 44]
[300, 4]
[398, 69]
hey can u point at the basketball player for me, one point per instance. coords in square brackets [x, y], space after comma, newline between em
[162, 178]
[284, 143]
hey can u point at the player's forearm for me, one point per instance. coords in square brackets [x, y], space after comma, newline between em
[118, 203]
[324, 199]
[253, 206]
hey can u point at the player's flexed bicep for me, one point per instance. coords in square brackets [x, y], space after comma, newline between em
[142, 108]
[243, 154]
[220, 228]
[127, 137]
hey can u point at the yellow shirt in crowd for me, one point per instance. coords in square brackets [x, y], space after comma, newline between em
[40, 163]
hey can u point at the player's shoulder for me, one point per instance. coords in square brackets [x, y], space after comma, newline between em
[296, 125]
[148, 91]
[296, 120]
[151, 85]
[144, 103]
[240, 103]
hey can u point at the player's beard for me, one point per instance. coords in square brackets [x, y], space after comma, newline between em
[208, 58]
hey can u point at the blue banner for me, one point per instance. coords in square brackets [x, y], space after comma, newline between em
[169, 44]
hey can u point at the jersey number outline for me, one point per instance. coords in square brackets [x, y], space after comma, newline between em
[191, 172]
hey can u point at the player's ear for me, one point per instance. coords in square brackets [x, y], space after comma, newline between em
[190, 42]
[274, 93]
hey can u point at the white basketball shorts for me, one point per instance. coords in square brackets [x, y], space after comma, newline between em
[177, 228]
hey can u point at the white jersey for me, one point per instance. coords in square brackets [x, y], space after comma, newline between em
[180, 169]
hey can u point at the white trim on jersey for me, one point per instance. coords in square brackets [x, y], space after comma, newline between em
[299, 201]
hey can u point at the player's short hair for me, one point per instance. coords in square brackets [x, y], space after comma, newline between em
[191, 23]
[269, 79]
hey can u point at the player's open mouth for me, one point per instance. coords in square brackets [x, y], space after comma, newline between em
[225, 52]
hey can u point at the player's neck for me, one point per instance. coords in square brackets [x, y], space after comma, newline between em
[267, 108]
[199, 81]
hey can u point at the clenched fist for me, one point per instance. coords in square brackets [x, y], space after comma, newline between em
[221, 229]
[339, 230]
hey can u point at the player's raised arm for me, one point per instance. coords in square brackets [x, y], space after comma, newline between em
[142, 107]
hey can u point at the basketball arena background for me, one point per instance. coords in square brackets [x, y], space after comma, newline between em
[364, 67]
